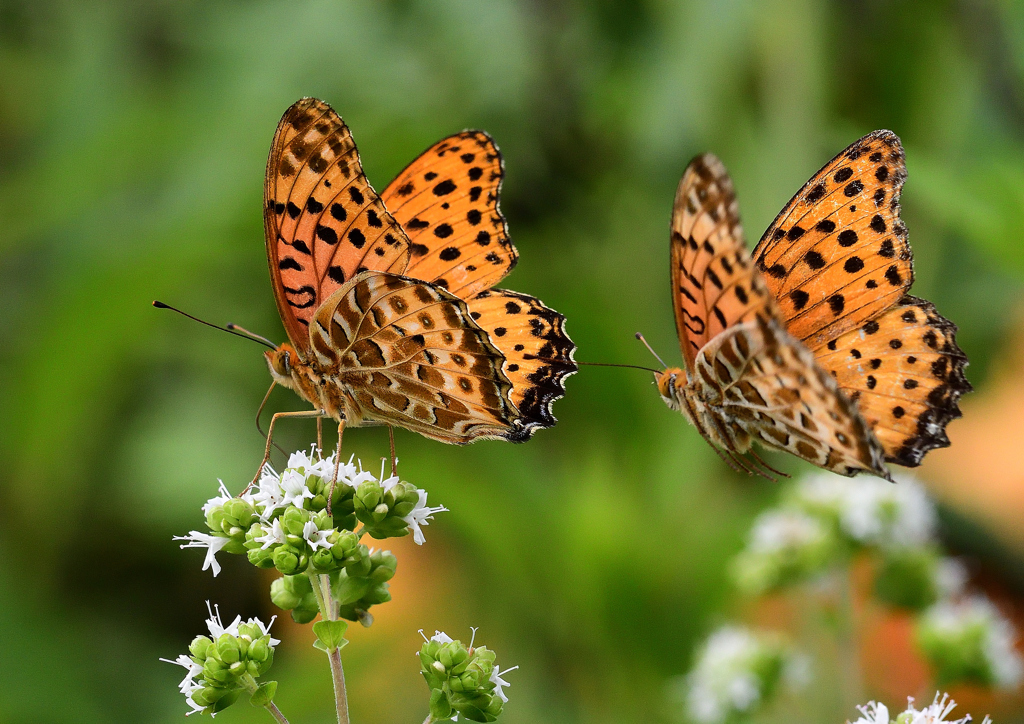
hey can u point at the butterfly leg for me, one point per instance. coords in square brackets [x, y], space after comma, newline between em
[320, 437]
[270, 436]
[337, 465]
[766, 466]
[259, 412]
[394, 460]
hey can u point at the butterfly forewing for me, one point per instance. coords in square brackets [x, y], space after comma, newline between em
[714, 283]
[447, 202]
[765, 386]
[323, 220]
[906, 374]
[411, 355]
[538, 353]
[837, 255]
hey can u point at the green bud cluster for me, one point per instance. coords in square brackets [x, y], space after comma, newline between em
[360, 583]
[228, 664]
[381, 511]
[909, 578]
[460, 681]
[232, 520]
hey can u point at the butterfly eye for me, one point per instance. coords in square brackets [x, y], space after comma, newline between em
[287, 363]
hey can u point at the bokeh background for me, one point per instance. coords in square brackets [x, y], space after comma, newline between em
[133, 140]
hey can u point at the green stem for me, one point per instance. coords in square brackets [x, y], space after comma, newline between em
[340, 693]
[271, 707]
[324, 600]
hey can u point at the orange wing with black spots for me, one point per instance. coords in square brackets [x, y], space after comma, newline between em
[323, 221]
[447, 202]
[838, 260]
[714, 283]
[837, 255]
[538, 353]
[906, 374]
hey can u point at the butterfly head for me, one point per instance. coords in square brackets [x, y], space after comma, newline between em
[280, 362]
[671, 381]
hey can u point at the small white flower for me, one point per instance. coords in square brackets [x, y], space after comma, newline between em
[218, 500]
[500, 683]
[873, 713]
[314, 536]
[420, 516]
[188, 685]
[213, 544]
[217, 627]
[293, 488]
[934, 713]
[273, 534]
[441, 637]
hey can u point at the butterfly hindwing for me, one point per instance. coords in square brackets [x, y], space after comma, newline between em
[410, 354]
[905, 371]
[714, 282]
[538, 353]
[837, 255]
[447, 200]
[323, 220]
[763, 385]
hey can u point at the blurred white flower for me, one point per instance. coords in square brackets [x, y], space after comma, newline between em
[784, 545]
[871, 511]
[779, 530]
[736, 670]
[950, 578]
[970, 640]
[212, 543]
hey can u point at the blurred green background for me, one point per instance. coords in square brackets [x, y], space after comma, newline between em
[133, 141]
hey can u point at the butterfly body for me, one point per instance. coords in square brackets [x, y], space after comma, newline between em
[390, 316]
[811, 346]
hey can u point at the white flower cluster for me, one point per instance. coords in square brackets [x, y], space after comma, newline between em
[189, 685]
[972, 639]
[278, 491]
[737, 670]
[869, 510]
[934, 713]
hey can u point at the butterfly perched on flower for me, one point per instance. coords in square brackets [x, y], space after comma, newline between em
[388, 300]
[812, 344]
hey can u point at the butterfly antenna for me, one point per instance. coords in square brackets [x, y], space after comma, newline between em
[228, 329]
[590, 364]
[232, 327]
[650, 349]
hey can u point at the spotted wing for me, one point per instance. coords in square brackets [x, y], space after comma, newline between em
[447, 202]
[906, 373]
[323, 221]
[412, 356]
[714, 283]
[837, 255]
[538, 353]
[766, 387]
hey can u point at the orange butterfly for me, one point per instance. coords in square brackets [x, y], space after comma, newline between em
[387, 299]
[813, 346]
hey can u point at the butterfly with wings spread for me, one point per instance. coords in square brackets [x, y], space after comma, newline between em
[812, 345]
[388, 300]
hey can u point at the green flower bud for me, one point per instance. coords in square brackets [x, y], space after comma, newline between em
[908, 578]
[228, 648]
[198, 648]
[290, 560]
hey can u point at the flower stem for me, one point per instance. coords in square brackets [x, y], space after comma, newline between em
[271, 707]
[428, 720]
[322, 591]
[340, 693]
